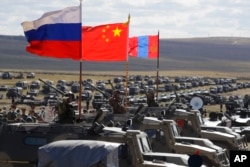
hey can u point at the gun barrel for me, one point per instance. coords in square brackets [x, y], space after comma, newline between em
[113, 88]
[57, 90]
[107, 95]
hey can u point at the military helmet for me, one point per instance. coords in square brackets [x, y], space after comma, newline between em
[117, 91]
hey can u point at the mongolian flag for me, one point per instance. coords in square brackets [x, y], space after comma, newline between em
[56, 34]
[144, 46]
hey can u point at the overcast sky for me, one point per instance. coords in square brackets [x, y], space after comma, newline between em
[172, 18]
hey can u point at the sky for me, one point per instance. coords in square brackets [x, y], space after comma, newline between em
[172, 18]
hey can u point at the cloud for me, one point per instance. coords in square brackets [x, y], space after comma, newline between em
[172, 18]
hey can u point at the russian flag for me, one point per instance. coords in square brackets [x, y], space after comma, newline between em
[144, 46]
[56, 34]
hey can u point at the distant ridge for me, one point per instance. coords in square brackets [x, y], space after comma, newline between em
[225, 54]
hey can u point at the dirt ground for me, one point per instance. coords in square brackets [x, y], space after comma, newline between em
[104, 75]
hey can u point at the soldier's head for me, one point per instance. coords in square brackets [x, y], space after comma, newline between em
[67, 99]
[68, 96]
[151, 93]
[23, 110]
[32, 107]
[117, 93]
[13, 106]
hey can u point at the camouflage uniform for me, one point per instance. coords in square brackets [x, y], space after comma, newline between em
[151, 99]
[115, 103]
[246, 101]
[65, 111]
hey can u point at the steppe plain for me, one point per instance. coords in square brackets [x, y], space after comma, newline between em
[216, 57]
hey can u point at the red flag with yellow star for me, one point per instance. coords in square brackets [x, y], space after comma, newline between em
[107, 42]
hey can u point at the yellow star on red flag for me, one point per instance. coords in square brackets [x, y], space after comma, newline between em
[117, 31]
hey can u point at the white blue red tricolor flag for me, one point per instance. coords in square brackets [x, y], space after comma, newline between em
[56, 34]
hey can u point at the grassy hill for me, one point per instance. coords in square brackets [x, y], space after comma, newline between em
[223, 54]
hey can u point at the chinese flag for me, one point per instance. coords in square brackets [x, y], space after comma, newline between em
[107, 42]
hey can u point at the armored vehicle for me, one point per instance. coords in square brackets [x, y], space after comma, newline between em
[87, 153]
[14, 92]
[239, 122]
[190, 123]
[17, 137]
[22, 84]
[99, 101]
[75, 153]
[7, 75]
[164, 137]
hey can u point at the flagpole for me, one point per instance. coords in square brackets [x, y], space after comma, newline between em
[126, 90]
[80, 75]
[157, 73]
[126, 93]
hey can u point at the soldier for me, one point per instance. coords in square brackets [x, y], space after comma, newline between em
[23, 114]
[87, 101]
[231, 106]
[151, 99]
[33, 115]
[246, 101]
[221, 106]
[12, 114]
[65, 110]
[115, 102]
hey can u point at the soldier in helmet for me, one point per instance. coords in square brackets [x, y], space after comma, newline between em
[116, 103]
[151, 99]
[65, 110]
[246, 101]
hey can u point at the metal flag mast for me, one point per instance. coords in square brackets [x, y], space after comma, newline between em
[80, 75]
[157, 73]
[126, 90]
